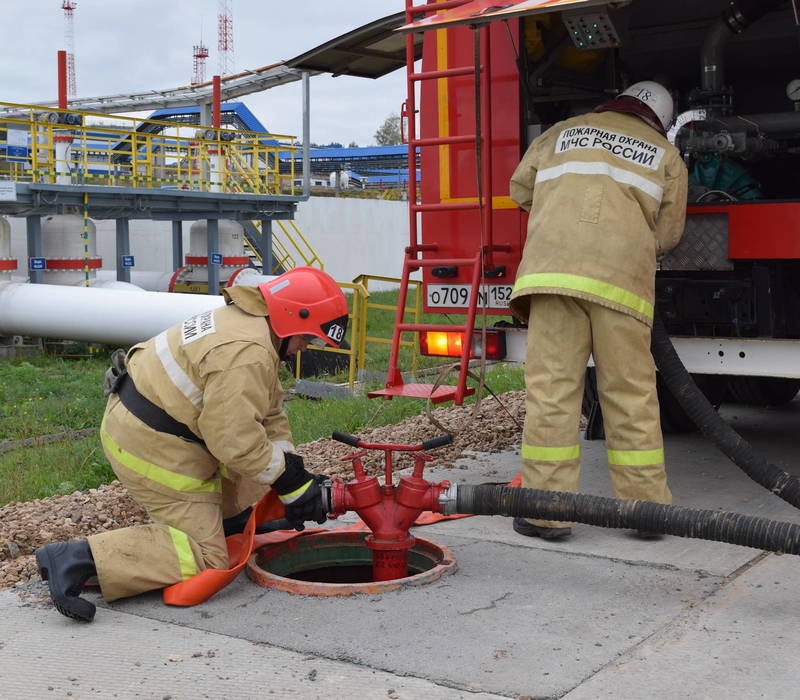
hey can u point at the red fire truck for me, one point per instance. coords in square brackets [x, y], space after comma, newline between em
[494, 75]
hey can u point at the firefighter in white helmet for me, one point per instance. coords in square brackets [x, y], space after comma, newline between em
[606, 192]
[195, 430]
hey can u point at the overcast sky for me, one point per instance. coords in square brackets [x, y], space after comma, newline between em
[124, 46]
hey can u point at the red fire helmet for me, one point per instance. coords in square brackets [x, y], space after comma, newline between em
[306, 301]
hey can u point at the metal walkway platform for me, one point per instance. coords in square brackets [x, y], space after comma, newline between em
[23, 199]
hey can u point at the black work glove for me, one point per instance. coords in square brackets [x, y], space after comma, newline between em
[300, 493]
[236, 523]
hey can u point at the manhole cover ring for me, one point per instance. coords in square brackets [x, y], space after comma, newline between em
[334, 548]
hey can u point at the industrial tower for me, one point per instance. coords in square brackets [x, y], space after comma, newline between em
[199, 56]
[69, 44]
[225, 37]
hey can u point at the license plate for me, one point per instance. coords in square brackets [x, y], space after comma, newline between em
[492, 296]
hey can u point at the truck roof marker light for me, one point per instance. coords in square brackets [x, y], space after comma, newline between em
[449, 344]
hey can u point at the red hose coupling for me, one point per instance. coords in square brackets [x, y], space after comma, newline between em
[353, 495]
[416, 493]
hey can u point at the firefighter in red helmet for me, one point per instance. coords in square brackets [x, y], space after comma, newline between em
[606, 192]
[195, 430]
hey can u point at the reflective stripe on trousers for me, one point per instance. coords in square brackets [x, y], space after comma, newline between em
[562, 333]
[185, 538]
[551, 454]
[635, 458]
[183, 550]
[154, 472]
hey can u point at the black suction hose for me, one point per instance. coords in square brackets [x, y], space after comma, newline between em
[711, 424]
[720, 526]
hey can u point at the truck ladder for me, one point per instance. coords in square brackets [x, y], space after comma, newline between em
[482, 205]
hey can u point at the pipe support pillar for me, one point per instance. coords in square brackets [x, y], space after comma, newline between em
[212, 243]
[123, 249]
[35, 250]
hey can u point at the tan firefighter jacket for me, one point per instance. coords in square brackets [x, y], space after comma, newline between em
[607, 193]
[217, 372]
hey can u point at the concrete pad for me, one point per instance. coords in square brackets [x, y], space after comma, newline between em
[700, 476]
[742, 642]
[514, 620]
[45, 655]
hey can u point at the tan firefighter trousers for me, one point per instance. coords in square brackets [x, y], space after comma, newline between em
[562, 333]
[185, 538]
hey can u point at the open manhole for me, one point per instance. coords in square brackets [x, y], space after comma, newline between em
[340, 563]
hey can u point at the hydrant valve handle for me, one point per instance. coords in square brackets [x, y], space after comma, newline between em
[346, 438]
[433, 443]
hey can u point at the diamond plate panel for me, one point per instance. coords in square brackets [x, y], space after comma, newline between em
[704, 245]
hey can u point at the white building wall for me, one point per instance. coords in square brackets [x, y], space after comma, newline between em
[356, 236]
[352, 237]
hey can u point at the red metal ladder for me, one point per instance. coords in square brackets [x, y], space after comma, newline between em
[412, 262]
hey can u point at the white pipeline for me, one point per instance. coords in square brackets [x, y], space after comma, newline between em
[113, 316]
[151, 280]
[155, 281]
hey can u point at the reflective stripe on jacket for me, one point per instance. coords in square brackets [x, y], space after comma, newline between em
[217, 372]
[607, 193]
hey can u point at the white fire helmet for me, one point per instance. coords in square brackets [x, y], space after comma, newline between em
[656, 97]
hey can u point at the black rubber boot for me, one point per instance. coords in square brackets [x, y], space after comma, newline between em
[66, 566]
[523, 527]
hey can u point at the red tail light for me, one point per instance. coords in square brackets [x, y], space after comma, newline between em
[449, 344]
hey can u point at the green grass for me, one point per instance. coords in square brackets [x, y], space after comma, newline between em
[47, 470]
[314, 419]
[46, 395]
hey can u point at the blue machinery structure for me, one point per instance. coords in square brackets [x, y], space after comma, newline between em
[164, 168]
[387, 164]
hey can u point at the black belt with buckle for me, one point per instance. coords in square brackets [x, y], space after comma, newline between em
[150, 414]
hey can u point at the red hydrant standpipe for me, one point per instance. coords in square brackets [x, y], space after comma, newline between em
[388, 510]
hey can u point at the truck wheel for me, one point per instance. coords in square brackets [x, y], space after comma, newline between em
[762, 391]
[674, 419]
